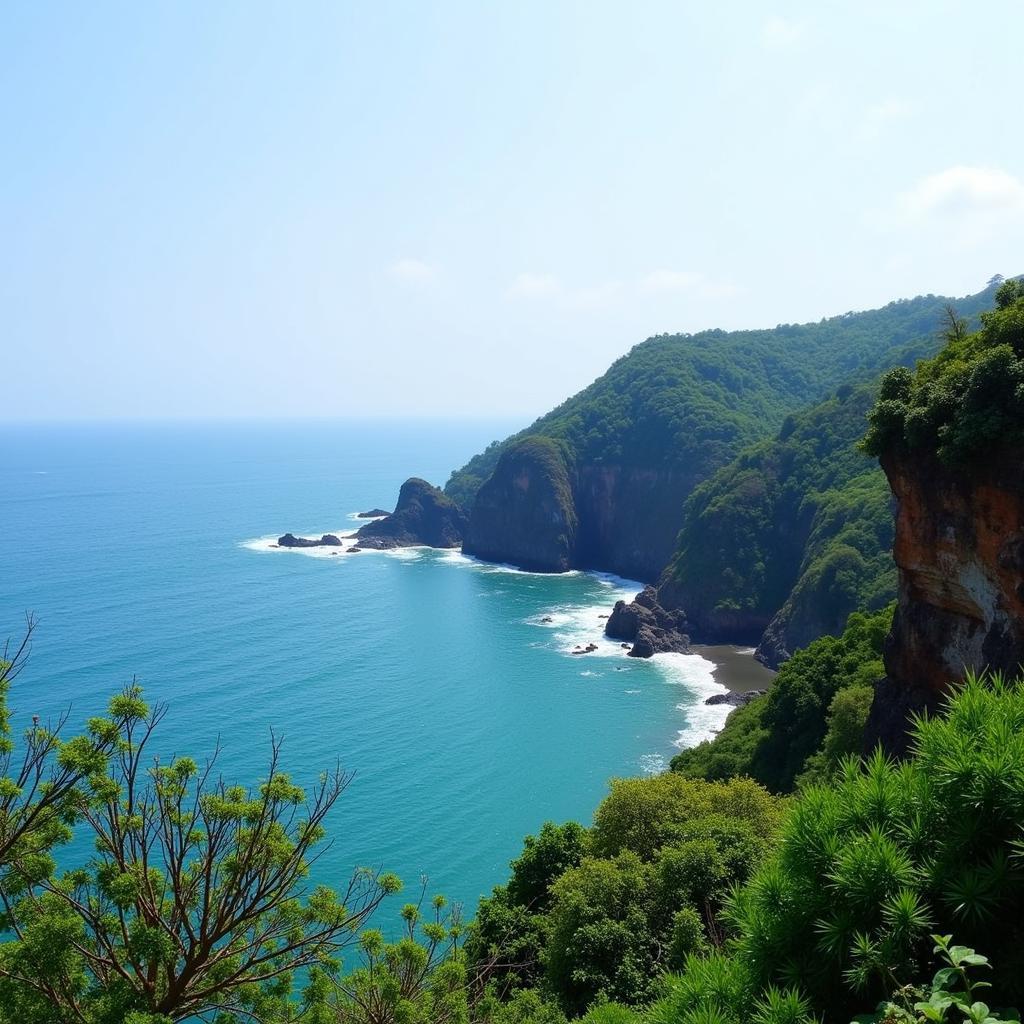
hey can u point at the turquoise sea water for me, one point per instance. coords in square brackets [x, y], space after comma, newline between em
[144, 552]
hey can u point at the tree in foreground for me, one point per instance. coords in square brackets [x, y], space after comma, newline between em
[195, 904]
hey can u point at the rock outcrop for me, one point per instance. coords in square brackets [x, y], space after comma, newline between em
[289, 540]
[525, 514]
[735, 698]
[959, 550]
[424, 515]
[647, 626]
[373, 513]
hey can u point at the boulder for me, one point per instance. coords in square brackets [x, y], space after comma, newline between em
[649, 627]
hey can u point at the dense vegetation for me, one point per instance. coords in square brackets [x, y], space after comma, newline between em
[695, 400]
[968, 397]
[798, 528]
[601, 913]
[852, 904]
[812, 717]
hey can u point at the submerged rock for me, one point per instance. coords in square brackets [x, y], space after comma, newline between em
[289, 540]
[424, 515]
[649, 627]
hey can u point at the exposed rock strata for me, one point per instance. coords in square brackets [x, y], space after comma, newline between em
[424, 515]
[959, 550]
[649, 627]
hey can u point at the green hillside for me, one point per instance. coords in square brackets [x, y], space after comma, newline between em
[792, 536]
[694, 400]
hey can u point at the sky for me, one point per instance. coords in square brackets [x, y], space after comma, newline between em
[466, 209]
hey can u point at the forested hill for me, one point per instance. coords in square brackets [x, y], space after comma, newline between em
[694, 398]
[677, 407]
[779, 547]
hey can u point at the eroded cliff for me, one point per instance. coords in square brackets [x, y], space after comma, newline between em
[959, 549]
[950, 438]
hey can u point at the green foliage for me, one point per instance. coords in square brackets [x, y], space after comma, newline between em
[950, 999]
[524, 1007]
[810, 719]
[508, 937]
[607, 911]
[194, 903]
[693, 401]
[418, 979]
[798, 527]
[644, 815]
[967, 399]
[869, 866]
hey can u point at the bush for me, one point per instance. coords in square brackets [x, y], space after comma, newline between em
[869, 867]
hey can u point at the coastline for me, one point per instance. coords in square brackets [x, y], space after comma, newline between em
[736, 668]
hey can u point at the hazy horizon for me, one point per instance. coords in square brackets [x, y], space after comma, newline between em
[458, 212]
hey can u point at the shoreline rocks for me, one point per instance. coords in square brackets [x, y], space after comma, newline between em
[735, 698]
[374, 513]
[289, 540]
[649, 627]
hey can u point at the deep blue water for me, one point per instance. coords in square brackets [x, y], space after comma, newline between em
[465, 718]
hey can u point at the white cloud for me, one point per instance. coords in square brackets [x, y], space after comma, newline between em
[881, 116]
[412, 270]
[779, 33]
[960, 207]
[964, 191]
[535, 284]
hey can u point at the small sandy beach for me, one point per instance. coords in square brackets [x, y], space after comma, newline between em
[736, 667]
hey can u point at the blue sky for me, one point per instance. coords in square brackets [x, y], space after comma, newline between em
[403, 209]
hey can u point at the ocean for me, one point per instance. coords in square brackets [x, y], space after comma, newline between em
[446, 686]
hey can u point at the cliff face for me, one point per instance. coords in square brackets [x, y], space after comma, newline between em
[540, 512]
[524, 514]
[959, 549]
[424, 515]
[629, 517]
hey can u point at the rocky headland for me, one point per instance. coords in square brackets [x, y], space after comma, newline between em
[423, 516]
[525, 514]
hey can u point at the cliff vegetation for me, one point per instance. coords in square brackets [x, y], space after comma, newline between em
[780, 546]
